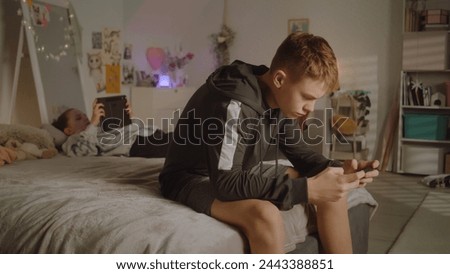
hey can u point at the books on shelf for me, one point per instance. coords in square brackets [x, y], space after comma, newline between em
[415, 93]
[411, 20]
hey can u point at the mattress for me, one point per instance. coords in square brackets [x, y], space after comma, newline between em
[114, 205]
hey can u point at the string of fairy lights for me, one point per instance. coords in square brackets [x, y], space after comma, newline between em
[69, 32]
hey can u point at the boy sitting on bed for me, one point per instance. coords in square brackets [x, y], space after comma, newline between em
[87, 139]
[215, 161]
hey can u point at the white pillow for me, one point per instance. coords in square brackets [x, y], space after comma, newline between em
[58, 136]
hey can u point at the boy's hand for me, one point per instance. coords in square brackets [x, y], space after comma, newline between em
[98, 112]
[370, 167]
[332, 184]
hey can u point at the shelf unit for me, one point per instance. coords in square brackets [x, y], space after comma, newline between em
[426, 59]
[417, 155]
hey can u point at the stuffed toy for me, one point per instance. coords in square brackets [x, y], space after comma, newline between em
[29, 151]
[7, 156]
[28, 142]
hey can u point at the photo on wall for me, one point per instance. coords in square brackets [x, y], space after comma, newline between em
[127, 73]
[112, 53]
[96, 40]
[295, 25]
[40, 15]
[127, 51]
[112, 78]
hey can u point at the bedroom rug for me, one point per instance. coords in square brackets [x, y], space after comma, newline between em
[428, 229]
[398, 196]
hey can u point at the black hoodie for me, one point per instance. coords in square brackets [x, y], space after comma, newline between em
[225, 132]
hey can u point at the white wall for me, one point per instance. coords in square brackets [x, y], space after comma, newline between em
[171, 24]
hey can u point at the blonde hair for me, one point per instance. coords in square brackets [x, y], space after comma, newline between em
[306, 55]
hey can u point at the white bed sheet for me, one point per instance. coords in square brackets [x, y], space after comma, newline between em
[111, 205]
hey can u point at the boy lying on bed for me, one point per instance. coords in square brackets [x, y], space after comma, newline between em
[239, 113]
[87, 139]
[7, 155]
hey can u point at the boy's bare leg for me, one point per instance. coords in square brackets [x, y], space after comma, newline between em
[259, 220]
[332, 223]
[334, 227]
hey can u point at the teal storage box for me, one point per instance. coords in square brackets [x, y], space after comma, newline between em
[425, 126]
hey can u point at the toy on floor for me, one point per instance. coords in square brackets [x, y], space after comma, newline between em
[433, 181]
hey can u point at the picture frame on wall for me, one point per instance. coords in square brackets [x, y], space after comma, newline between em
[298, 25]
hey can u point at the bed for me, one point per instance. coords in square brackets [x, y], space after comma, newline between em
[113, 205]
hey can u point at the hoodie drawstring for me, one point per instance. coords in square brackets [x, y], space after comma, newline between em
[262, 138]
[260, 146]
[276, 154]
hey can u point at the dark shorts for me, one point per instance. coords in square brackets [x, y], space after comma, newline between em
[198, 193]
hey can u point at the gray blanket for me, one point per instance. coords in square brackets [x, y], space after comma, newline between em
[112, 205]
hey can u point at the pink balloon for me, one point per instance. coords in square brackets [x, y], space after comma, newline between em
[155, 57]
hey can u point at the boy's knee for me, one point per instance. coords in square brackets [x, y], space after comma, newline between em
[264, 212]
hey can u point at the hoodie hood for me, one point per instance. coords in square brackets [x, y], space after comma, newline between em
[239, 81]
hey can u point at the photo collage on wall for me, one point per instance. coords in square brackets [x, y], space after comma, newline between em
[105, 60]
